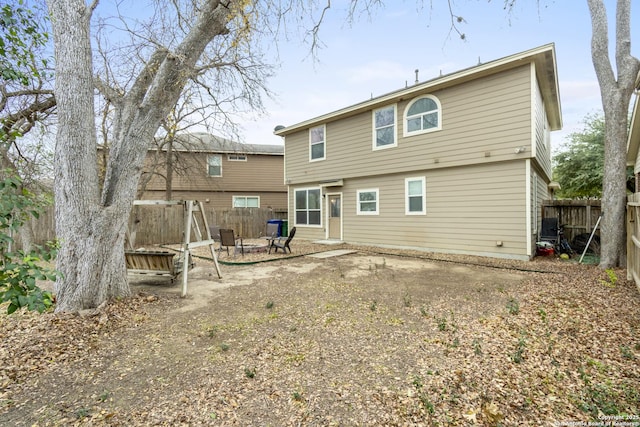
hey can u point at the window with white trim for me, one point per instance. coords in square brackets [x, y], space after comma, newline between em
[384, 128]
[423, 115]
[237, 157]
[367, 202]
[246, 201]
[317, 143]
[307, 206]
[415, 196]
[214, 165]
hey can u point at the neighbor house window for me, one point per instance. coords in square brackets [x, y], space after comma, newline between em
[307, 206]
[367, 202]
[415, 191]
[423, 115]
[246, 201]
[237, 157]
[316, 143]
[214, 165]
[384, 127]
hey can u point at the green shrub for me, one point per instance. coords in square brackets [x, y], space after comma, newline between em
[20, 270]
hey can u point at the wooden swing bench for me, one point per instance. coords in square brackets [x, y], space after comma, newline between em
[162, 263]
[155, 263]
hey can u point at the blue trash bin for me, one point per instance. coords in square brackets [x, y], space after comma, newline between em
[279, 224]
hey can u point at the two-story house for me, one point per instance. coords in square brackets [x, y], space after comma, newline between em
[456, 164]
[222, 173]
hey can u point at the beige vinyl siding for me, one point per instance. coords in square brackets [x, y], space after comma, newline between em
[482, 122]
[258, 173]
[539, 193]
[542, 133]
[223, 200]
[468, 210]
[542, 194]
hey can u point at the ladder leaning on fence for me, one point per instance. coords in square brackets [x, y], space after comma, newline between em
[196, 220]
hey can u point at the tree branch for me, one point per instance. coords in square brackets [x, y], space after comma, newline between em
[600, 45]
[626, 64]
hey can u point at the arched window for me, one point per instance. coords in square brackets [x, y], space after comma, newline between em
[423, 115]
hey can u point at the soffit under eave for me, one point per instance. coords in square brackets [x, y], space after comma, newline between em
[547, 75]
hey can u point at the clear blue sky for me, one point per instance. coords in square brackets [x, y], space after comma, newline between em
[378, 55]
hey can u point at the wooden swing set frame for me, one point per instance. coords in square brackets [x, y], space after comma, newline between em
[162, 263]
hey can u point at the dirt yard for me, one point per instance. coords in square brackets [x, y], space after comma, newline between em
[363, 339]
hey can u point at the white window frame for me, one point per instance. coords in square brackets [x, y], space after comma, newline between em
[407, 196]
[405, 130]
[237, 157]
[295, 207]
[375, 128]
[212, 156]
[235, 198]
[359, 210]
[323, 142]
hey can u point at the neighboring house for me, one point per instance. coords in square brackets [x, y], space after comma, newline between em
[219, 172]
[456, 164]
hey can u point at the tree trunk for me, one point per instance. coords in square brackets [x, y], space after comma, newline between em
[90, 258]
[614, 185]
[27, 235]
[616, 94]
[92, 261]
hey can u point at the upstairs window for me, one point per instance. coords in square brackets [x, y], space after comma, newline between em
[237, 157]
[384, 128]
[423, 115]
[316, 143]
[214, 165]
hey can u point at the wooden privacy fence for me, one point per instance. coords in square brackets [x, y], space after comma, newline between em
[578, 216]
[164, 225]
[633, 238]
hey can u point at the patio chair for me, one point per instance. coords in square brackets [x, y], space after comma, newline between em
[284, 245]
[214, 230]
[228, 239]
[549, 230]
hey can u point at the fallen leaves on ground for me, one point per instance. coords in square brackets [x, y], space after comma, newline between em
[388, 338]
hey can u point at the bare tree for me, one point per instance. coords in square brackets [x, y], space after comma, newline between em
[91, 220]
[616, 88]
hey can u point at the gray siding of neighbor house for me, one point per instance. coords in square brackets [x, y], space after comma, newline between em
[224, 200]
[260, 175]
[468, 210]
[483, 121]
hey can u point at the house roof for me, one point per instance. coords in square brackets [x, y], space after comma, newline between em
[544, 57]
[205, 142]
[633, 143]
